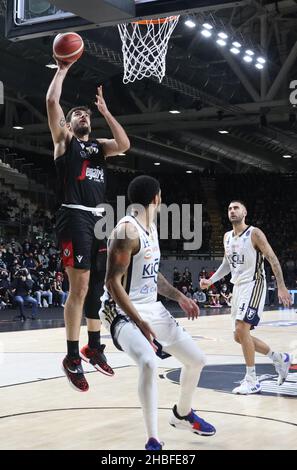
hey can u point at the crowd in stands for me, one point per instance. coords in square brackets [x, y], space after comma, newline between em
[31, 273]
[218, 295]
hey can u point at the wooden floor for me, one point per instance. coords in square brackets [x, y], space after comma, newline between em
[38, 409]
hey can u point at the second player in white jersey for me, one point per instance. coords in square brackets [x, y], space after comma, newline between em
[246, 263]
[245, 248]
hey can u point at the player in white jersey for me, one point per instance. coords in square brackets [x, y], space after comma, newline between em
[245, 248]
[141, 326]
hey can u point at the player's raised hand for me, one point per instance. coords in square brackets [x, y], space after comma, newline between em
[100, 102]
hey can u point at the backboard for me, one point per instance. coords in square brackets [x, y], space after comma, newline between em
[26, 19]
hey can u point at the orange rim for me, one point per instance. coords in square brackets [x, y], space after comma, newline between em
[156, 21]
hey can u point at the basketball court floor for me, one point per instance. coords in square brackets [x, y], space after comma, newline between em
[39, 410]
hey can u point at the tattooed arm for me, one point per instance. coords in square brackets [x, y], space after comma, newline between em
[56, 118]
[260, 243]
[122, 247]
[186, 304]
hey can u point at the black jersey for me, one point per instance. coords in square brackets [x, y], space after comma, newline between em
[81, 173]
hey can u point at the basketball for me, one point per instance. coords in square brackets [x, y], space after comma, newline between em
[68, 47]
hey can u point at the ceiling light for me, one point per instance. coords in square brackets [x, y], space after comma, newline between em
[261, 60]
[221, 42]
[287, 156]
[249, 52]
[259, 66]
[247, 58]
[190, 24]
[122, 154]
[18, 128]
[207, 26]
[236, 44]
[234, 50]
[223, 35]
[174, 111]
[206, 33]
[157, 163]
[223, 132]
[52, 66]
[189, 171]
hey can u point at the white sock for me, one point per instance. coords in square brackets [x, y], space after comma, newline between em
[251, 372]
[275, 356]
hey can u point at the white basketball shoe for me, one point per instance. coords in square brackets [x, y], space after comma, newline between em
[282, 367]
[248, 386]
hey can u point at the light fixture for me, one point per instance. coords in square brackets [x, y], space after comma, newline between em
[206, 33]
[234, 50]
[51, 66]
[222, 35]
[221, 42]
[287, 156]
[259, 66]
[157, 163]
[189, 172]
[190, 24]
[121, 154]
[207, 26]
[18, 128]
[223, 132]
[236, 44]
[174, 111]
[261, 60]
[247, 58]
[249, 52]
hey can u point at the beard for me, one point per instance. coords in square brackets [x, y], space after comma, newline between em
[81, 130]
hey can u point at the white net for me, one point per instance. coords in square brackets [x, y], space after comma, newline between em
[145, 47]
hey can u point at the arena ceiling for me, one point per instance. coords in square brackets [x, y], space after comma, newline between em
[211, 89]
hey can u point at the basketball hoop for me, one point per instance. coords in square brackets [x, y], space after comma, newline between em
[145, 45]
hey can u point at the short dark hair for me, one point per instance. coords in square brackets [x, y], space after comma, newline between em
[240, 201]
[80, 108]
[143, 189]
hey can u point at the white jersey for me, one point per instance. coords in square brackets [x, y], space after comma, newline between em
[246, 263]
[140, 281]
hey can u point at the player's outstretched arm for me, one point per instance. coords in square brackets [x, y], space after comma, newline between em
[186, 304]
[56, 118]
[120, 142]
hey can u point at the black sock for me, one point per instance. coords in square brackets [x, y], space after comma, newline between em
[94, 339]
[73, 349]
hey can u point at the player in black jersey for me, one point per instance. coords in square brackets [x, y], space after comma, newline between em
[81, 168]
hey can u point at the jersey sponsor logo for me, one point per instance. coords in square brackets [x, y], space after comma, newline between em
[148, 253]
[66, 252]
[88, 150]
[235, 259]
[150, 270]
[79, 258]
[95, 174]
[145, 290]
[247, 233]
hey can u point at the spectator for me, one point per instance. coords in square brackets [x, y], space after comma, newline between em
[272, 287]
[176, 278]
[225, 296]
[199, 297]
[21, 288]
[187, 278]
[59, 295]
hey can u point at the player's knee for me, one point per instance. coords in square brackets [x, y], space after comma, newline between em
[79, 292]
[238, 335]
[149, 364]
